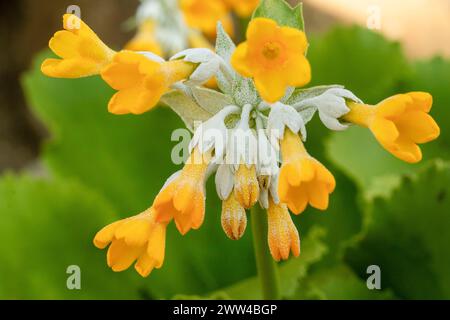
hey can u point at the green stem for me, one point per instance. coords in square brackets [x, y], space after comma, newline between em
[266, 266]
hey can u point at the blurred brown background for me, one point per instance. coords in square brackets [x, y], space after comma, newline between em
[423, 26]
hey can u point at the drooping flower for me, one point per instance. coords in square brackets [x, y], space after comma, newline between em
[140, 238]
[302, 179]
[234, 218]
[145, 39]
[81, 51]
[274, 57]
[399, 123]
[183, 198]
[243, 154]
[282, 234]
[246, 189]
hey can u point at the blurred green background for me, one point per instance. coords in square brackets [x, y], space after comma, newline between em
[84, 168]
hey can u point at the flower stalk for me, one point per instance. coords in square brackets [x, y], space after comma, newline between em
[265, 265]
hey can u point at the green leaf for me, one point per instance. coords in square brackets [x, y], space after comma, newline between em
[48, 226]
[281, 12]
[407, 236]
[186, 108]
[211, 100]
[224, 48]
[291, 273]
[126, 159]
[244, 91]
[338, 282]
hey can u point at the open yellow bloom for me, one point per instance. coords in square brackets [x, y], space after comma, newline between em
[302, 178]
[274, 57]
[246, 186]
[399, 123]
[243, 8]
[233, 218]
[82, 53]
[203, 15]
[283, 235]
[183, 199]
[145, 39]
[139, 238]
[141, 81]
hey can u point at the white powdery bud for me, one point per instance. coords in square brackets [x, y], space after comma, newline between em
[267, 155]
[224, 181]
[332, 106]
[280, 117]
[242, 146]
[208, 62]
[212, 134]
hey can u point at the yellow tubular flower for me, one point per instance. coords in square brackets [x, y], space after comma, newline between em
[274, 57]
[246, 186]
[302, 178]
[82, 53]
[399, 123]
[139, 238]
[203, 15]
[183, 199]
[141, 81]
[234, 218]
[243, 8]
[145, 39]
[283, 235]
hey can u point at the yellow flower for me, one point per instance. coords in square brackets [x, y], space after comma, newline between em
[145, 39]
[302, 178]
[141, 81]
[283, 235]
[203, 15]
[234, 218]
[399, 123]
[139, 238]
[243, 8]
[246, 186]
[82, 53]
[183, 199]
[274, 57]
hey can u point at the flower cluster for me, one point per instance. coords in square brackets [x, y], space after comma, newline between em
[251, 135]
